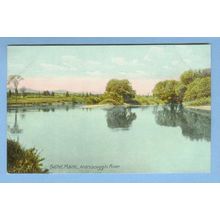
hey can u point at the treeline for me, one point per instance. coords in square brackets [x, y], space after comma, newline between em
[23, 93]
[193, 88]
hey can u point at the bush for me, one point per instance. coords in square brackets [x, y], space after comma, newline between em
[92, 100]
[109, 101]
[198, 102]
[148, 100]
[22, 160]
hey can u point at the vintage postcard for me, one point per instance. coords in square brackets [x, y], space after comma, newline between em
[109, 109]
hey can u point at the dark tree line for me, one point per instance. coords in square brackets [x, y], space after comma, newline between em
[192, 85]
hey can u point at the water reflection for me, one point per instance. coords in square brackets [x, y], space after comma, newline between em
[195, 124]
[120, 117]
[15, 129]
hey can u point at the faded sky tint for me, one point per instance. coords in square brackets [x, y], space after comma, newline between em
[88, 68]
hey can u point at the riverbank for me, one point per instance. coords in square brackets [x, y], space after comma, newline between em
[92, 106]
[88, 100]
[202, 107]
[83, 106]
[85, 102]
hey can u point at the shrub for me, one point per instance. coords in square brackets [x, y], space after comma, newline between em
[92, 100]
[148, 100]
[22, 160]
[198, 102]
[109, 101]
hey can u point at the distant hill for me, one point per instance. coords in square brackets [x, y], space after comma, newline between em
[29, 90]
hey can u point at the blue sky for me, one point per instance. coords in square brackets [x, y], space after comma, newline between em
[135, 62]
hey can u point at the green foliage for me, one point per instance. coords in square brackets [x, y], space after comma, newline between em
[120, 117]
[193, 123]
[189, 76]
[22, 160]
[109, 101]
[193, 85]
[180, 90]
[199, 88]
[148, 100]
[166, 91]
[205, 72]
[120, 88]
[117, 98]
[9, 93]
[74, 100]
[91, 100]
[46, 93]
[199, 102]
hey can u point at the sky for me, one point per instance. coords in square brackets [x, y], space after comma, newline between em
[89, 68]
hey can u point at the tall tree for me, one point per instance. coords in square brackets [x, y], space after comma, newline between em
[15, 80]
[166, 91]
[123, 88]
[189, 76]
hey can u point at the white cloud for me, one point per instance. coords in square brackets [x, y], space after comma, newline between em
[147, 58]
[119, 61]
[175, 62]
[166, 67]
[135, 62]
[54, 67]
[93, 63]
[70, 60]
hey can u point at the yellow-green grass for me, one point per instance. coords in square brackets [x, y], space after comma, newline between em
[38, 100]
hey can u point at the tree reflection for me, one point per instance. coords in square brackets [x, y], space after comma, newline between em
[120, 117]
[15, 130]
[194, 124]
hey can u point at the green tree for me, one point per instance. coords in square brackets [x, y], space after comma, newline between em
[9, 93]
[189, 76]
[199, 88]
[120, 88]
[205, 72]
[166, 91]
[67, 94]
[46, 93]
[180, 90]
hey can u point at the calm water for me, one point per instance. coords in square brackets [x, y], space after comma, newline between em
[140, 140]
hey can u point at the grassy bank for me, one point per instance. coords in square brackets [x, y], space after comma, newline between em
[203, 107]
[93, 100]
[199, 102]
[35, 99]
